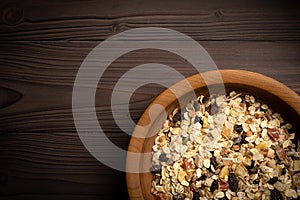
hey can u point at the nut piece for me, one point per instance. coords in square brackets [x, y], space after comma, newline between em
[224, 172]
[181, 176]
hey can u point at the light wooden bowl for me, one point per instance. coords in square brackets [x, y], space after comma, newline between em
[277, 95]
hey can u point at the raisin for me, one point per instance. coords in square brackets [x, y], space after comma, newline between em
[177, 197]
[196, 196]
[276, 195]
[243, 138]
[214, 186]
[177, 117]
[163, 157]
[283, 172]
[205, 99]
[213, 161]
[198, 119]
[202, 178]
[273, 180]
[233, 182]
[256, 182]
[238, 128]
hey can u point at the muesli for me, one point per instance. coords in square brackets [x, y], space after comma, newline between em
[225, 147]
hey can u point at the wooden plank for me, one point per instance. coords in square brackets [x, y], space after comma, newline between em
[43, 74]
[97, 20]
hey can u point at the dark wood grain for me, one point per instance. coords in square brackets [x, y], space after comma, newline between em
[202, 20]
[43, 43]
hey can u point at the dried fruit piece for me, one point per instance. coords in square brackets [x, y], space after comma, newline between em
[281, 153]
[276, 195]
[177, 117]
[188, 163]
[273, 180]
[233, 182]
[213, 161]
[238, 128]
[214, 186]
[223, 185]
[273, 133]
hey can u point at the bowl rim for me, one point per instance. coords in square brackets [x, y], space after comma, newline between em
[229, 76]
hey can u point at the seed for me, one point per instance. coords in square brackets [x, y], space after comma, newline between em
[214, 186]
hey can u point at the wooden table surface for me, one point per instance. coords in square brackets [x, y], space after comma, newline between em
[43, 43]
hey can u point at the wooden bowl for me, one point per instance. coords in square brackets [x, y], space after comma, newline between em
[278, 96]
